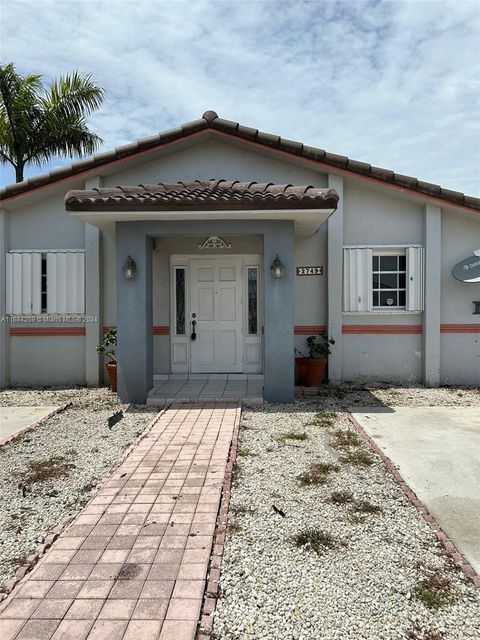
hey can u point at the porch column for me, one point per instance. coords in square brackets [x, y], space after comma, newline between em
[279, 383]
[335, 282]
[432, 312]
[134, 315]
[93, 296]
[4, 326]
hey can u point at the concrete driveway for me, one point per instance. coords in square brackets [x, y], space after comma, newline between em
[13, 419]
[437, 451]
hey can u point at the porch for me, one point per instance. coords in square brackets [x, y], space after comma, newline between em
[197, 387]
[212, 333]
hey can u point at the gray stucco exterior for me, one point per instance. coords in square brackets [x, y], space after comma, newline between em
[439, 345]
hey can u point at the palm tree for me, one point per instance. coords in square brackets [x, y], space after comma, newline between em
[39, 123]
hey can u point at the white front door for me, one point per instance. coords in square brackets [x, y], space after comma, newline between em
[216, 315]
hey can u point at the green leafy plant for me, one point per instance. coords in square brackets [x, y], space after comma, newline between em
[319, 345]
[39, 123]
[108, 346]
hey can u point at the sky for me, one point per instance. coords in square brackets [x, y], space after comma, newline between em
[395, 84]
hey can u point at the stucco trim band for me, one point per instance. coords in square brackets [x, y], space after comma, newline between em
[382, 328]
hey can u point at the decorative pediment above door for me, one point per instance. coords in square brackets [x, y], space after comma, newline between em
[214, 242]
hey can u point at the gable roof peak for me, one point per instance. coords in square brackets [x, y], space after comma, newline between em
[210, 116]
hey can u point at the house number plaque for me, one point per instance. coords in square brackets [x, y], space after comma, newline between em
[309, 271]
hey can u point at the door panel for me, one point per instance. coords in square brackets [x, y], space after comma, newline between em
[216, 306]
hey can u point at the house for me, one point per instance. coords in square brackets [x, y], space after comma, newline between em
[174, 239]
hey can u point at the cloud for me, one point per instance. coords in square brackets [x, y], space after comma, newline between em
[395, 84]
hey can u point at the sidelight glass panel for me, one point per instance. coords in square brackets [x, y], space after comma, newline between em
[252, 275]
[180, 302]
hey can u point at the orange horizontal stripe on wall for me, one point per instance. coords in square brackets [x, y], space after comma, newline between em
[382, 328]
[158, 330]
[460, 328]
[308, 330]
[47, 331]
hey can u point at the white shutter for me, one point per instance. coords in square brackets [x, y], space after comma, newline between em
[66, 282]
[23, 282]
[357, 279]
[415, 278]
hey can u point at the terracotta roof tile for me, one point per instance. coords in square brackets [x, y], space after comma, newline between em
[210, 120]
[202, 195]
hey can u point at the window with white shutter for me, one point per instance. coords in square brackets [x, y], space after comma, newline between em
[383, 278]
[45, 282]
[357, 280]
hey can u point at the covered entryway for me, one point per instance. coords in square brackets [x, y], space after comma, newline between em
[141, 214]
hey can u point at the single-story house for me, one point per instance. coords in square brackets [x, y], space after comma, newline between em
[215, 249]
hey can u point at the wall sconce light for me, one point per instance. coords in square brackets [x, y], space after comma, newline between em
[277, 268]
[129, 268]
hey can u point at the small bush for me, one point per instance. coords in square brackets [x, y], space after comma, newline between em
[317, 473]
[347, 438]
[48, 469]
[435, 591]
[315, 539]
[358, 458]
[341, 497]
[233, 526]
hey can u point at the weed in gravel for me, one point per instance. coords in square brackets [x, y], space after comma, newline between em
[359, 458]
[243, 452]
[341, 497]
[418, 633]
[233, 526]
[434, 591]
[348, 438]
[317, 473]
[315, 539]
[291, 435]
[325, 419]
[356, 518]
[364, 506]
[241, 509]
[48, 469]
[71, 452]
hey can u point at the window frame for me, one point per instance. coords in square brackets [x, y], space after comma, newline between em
[386, 249]
[389, 252]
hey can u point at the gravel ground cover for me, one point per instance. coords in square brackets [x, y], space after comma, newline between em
[322, 543]
[48, 474]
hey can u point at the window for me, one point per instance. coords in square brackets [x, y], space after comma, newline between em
[389, 274]
[180, 301]
[45, 282]
[252, 293]
[379, 279]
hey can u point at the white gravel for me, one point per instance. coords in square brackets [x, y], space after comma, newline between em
[364, 587]
[80, 435]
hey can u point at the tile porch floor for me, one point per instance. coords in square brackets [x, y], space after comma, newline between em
[213, 387]
[133, 565]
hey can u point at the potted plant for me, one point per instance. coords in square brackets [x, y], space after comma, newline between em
[312, 370]
[108, 348]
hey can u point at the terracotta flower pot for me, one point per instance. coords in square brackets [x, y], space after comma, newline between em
[311, 371]
[112, 374]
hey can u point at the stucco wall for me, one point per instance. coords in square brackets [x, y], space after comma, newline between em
[45, 225]
[374, 217]
[459, 352]
[47, 361]
[214, 159]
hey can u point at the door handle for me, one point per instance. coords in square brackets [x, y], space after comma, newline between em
[193, 335]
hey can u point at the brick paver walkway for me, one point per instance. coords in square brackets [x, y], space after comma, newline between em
[133, 565]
